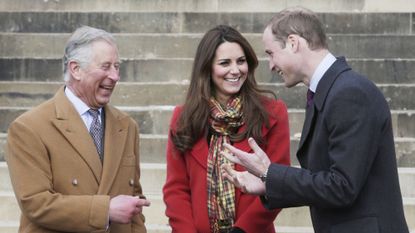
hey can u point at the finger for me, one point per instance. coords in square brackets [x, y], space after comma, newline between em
[228, 171]
[230, 157]
[257, 150]
[230, 174]
[236, 152]
[243, 189]
[143, 202]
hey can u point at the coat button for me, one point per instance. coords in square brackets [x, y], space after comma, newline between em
[131, 182]
[74, 182]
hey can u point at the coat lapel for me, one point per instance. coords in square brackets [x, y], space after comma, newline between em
[71, 126]
[323, 88]
[200, 151]
[116, 130]
[308, 122]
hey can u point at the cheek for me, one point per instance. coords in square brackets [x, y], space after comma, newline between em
[244, 69]
[219, 71]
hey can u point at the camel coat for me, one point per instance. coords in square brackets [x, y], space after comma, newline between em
[58, 179]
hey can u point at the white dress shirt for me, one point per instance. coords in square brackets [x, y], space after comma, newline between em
[81, 108]
[324, 65]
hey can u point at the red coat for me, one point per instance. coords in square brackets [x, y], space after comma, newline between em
[185, 192]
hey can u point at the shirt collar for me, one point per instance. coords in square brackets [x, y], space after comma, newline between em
[79, 105]
[324, 65]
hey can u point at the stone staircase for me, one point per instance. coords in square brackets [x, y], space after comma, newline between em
[157, 42]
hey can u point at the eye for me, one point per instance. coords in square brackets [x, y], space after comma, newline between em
[223, 62]
[106, 67]
[117, 66]
[241, 61]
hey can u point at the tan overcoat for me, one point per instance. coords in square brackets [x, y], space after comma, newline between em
[58, 179]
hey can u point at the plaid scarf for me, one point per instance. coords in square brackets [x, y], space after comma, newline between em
[221, 193]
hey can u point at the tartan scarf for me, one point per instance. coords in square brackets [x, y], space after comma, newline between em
[221, 193]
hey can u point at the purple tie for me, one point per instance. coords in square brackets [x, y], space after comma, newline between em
[310, 96]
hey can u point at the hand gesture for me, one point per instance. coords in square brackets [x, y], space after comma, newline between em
[247, 182]
[256, 163]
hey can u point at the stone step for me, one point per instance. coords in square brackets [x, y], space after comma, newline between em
[380, 71]
[153, 177]
[173, 45]
[155, 214]
[153, 149]
[9, 226]
[155, 119]
[195, 22]
[206, 5]
[27, 94]
[12, 227]
[172, 93]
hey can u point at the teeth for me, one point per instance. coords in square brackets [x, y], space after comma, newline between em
[232, 79]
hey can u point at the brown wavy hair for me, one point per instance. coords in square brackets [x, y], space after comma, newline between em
[193, 121]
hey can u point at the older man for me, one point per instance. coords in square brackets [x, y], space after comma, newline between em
[73, 160]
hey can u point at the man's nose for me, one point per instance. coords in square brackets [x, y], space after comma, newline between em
[114, 74]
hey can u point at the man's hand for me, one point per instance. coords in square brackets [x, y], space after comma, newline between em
[247, 182]
[123, 208]
[256, 163]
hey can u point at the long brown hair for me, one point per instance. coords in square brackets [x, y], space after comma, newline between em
[193, 121]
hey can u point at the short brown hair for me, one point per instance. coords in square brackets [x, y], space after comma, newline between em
[299, 21]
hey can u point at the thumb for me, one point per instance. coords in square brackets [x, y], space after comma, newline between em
[143, 202]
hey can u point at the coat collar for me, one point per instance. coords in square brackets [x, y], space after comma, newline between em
[323, 88]
[71, 126]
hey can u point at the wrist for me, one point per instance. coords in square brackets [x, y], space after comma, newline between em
[264, 175]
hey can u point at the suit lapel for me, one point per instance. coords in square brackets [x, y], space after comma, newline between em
[323, 88]
[308, 122]
[116, 130]
[71, 126]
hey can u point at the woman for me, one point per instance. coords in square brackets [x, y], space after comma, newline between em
[223, 104]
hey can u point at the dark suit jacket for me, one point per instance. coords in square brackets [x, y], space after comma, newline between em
[349, 177]
[59, 181]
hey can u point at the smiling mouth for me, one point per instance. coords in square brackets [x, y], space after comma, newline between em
[109, 88]
[232, 79]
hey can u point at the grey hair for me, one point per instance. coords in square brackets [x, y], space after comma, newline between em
[78, 47]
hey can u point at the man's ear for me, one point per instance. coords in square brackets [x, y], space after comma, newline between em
[293, 42]
[74, 69]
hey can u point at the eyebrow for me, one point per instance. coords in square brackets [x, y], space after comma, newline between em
[228, 59]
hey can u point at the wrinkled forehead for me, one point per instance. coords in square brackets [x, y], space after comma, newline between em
[105, 49]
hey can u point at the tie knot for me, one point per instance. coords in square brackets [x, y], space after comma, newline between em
[94, 113]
